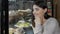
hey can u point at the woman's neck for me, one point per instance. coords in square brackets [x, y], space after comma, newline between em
[43, 21]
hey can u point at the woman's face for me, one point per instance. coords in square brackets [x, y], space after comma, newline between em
[38, 11]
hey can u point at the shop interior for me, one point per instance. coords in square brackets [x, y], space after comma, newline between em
[20, 15]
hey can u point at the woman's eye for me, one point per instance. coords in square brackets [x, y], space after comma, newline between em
[36, 9]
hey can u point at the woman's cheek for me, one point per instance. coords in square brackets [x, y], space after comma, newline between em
[39, 14]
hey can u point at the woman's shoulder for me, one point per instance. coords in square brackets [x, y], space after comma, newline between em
[54, 22]
[52, 19]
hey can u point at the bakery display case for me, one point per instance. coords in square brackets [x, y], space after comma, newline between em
[20, 17]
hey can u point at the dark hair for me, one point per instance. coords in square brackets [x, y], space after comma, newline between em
[42, 4]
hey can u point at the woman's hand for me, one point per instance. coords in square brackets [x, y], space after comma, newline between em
[38, 20]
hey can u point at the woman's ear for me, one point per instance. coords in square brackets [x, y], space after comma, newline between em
[45, 10]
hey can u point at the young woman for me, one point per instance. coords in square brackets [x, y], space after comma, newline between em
[42, 22]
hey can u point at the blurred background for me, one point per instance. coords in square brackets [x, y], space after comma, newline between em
[20, 15]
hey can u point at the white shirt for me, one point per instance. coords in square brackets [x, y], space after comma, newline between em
[51, 26]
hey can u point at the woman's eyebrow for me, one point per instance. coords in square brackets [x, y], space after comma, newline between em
[37, 8]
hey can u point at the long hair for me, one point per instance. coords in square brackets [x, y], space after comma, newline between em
[42, 4]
